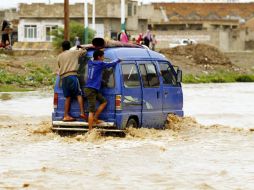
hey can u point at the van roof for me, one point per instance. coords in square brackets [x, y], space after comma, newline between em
[127, 51]
[113, 44]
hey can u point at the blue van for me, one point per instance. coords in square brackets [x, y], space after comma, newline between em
[141, 90]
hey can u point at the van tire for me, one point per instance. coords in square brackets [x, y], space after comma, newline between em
[132, 123]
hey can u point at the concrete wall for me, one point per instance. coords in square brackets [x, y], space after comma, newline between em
[227, 40]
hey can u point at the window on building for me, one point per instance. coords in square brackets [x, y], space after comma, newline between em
[135, 9]
[30, 31]
[49, 30]
[129, 9]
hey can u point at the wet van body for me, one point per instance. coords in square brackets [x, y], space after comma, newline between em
[141, 91]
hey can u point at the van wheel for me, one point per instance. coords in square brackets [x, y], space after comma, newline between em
[132, 123]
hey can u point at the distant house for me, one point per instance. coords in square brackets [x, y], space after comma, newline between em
[200, 16]
[37, 20]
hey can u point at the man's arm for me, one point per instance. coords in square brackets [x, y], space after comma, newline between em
[58, 64]
[81, 50]
[112, 64]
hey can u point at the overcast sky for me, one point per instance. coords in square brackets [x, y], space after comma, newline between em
[14, 3]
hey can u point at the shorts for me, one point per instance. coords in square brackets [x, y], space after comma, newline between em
[5, 38]
[71, 87]
[92, 95]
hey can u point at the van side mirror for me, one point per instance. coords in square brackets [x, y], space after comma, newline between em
[179, 75]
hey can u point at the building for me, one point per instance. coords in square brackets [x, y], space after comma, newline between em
[227, 26]
[37, 20]
[220, 24]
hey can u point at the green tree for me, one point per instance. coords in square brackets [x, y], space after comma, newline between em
[76, 29]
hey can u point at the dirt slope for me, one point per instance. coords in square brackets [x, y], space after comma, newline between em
[193, 59]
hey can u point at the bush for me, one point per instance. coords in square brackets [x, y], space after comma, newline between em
[218, 78]
[245, 78]
[76, 29]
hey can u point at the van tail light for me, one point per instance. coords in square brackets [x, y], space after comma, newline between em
[55, 100]
[118, 102]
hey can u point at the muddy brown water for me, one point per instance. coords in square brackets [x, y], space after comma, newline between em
[203, 151]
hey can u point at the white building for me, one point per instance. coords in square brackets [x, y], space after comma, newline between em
[37, 30]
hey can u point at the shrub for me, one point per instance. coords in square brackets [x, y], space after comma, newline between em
[76, 29]
[245, 78]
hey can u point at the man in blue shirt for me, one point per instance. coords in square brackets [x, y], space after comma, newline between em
[93, 86]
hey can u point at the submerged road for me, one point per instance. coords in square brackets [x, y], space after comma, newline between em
[214, 152]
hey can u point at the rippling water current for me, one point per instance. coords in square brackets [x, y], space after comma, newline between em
[212, 147]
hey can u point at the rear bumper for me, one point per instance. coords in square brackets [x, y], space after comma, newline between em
[83, 126]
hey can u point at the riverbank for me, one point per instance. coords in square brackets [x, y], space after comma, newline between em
[25, 72]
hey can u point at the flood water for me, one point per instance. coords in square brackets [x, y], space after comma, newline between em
[211, 149]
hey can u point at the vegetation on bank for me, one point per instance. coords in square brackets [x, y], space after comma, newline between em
[42, 76]
[35, 77]
[219, 77]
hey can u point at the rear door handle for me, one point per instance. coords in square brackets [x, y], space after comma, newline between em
[158, 94]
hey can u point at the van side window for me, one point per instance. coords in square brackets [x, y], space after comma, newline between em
[149, 75]
[142, 69]
[130, 75]
[167, 74]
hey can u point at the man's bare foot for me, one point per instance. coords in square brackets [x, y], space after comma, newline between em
[69, 118]
[83, 116]
[97, 121]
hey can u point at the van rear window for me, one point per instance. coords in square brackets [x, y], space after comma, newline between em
[130, 75]
[108, 80]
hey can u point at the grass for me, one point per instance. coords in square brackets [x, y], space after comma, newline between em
[218, 78]
[13, 88]
[35, 77]
[38, 76]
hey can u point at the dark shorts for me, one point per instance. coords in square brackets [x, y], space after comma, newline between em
[92, 95]
[71, 87]
[5, 38]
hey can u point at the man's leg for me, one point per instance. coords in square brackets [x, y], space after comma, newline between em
[99, 110]
[91, 99]
[66, 109]
[90, 120]
[81, 105]
[103, 104]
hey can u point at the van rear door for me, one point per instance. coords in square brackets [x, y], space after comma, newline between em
[152, 115]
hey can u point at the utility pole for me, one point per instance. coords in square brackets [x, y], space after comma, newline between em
[93, 20]
[86, 22]
[66, 20]
[122, 14]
